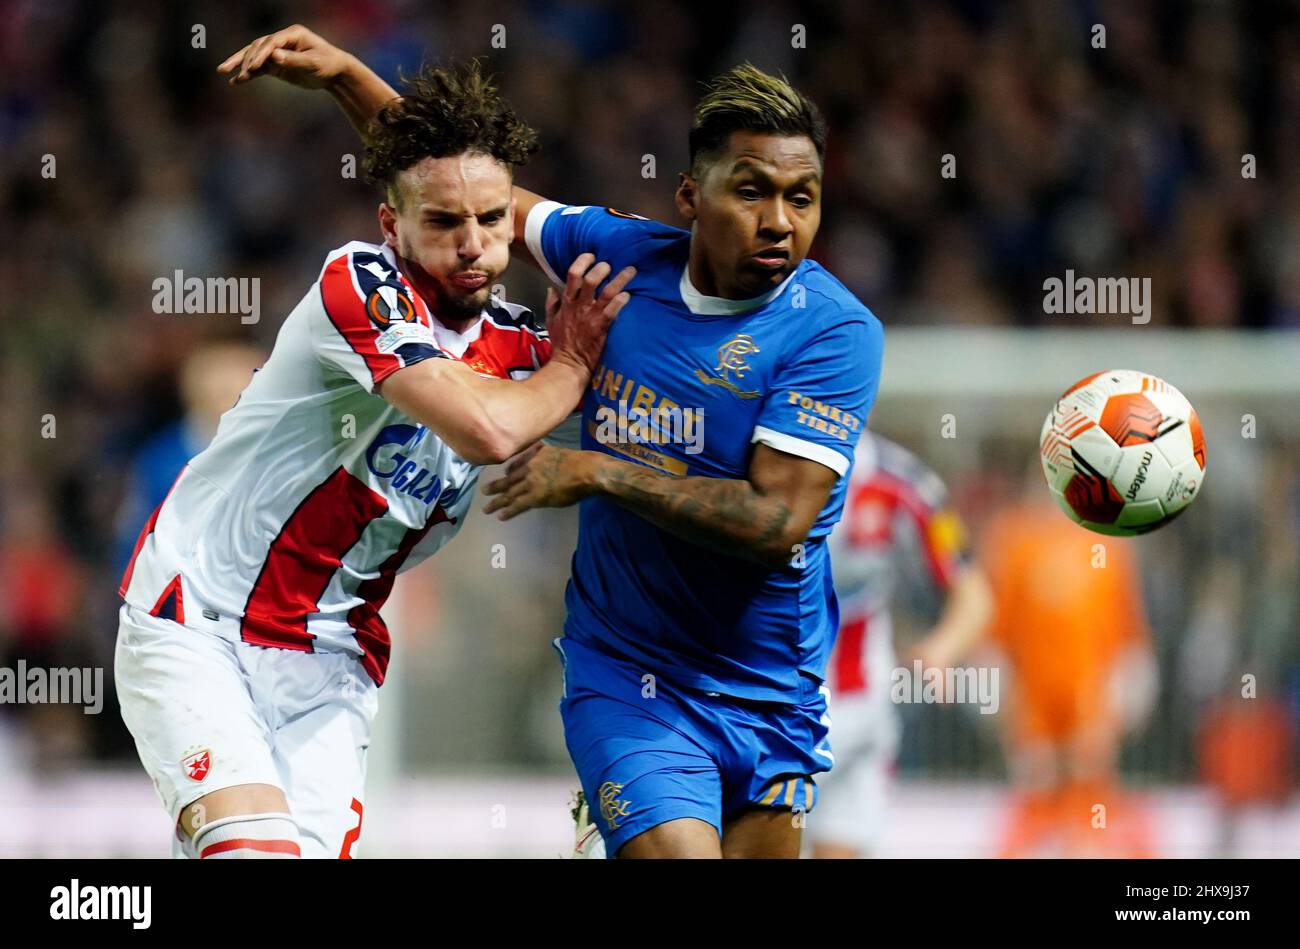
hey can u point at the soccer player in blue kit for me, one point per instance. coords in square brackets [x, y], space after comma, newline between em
[717, 438]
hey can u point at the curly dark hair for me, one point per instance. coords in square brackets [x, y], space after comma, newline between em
[445, 110]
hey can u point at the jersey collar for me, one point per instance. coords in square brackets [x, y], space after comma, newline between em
[703, 305]
[456, 343]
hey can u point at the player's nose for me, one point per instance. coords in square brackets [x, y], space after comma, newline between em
[775, 221]
[471, 243]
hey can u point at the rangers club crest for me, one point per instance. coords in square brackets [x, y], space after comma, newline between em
[612, 808]
[197, 765]
[731, 358]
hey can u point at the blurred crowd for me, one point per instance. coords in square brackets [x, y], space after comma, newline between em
[976, 148]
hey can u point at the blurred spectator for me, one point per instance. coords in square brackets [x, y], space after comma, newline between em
[211, 379]
[42, 585]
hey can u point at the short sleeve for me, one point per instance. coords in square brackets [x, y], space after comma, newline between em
[819, 401]
[373, 323]
[557, 234]
[942, 537]
[939, 529]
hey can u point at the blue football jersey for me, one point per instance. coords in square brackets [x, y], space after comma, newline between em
[686, 386]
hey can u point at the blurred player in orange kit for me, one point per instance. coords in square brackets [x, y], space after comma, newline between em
[1069, 619]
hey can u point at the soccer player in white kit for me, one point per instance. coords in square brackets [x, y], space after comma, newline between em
[896, 517]
[250, 646]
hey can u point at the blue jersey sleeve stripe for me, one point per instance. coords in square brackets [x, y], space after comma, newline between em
[829, 457]
[537, 218]
[412, 353]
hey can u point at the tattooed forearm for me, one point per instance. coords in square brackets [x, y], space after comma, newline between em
[726, 515]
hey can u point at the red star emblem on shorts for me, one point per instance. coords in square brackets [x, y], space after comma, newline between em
[197, 765]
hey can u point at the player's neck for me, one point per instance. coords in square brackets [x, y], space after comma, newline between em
[456, 324]
[704, 281]
[701, 274]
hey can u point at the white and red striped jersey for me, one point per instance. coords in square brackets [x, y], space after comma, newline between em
[896, 516]
[289, 529]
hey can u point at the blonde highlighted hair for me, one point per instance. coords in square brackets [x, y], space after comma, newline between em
[746, 98]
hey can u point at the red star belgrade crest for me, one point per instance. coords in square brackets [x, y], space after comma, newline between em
[197, 765]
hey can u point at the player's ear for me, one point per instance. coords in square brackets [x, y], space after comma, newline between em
[388, 224]
[687, 190]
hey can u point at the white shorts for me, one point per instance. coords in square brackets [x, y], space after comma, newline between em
[207, 713]
[853, 797]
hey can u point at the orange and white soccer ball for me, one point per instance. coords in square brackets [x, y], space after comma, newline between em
[1123, 452]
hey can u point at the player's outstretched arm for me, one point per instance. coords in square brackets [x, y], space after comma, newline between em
[966, 615]
[300, 57]
[762, 518]
[485, 420]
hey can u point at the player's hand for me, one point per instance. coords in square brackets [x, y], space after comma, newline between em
[934, 651]
[578, 318]
[541, 476]
[294, 54]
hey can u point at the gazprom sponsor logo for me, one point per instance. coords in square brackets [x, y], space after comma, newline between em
[389, 458]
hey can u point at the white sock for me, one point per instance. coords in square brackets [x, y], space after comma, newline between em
[248, 837]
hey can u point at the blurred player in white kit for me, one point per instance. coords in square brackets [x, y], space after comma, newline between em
[896, 519]
[250, 647]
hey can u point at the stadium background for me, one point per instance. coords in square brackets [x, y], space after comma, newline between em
[1122, 161]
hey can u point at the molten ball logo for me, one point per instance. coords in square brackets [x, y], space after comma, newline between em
[1141, 476]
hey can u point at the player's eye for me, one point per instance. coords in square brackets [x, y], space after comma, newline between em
[801, 201]
[749, 194]
[488, 220]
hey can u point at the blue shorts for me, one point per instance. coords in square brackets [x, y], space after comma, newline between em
[647, 752]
